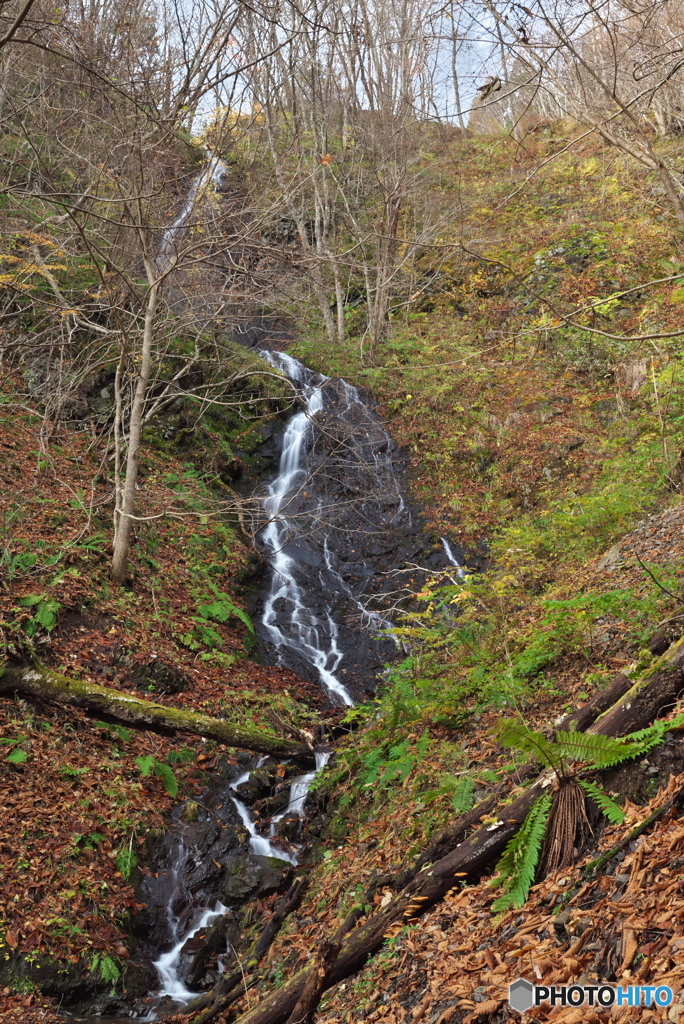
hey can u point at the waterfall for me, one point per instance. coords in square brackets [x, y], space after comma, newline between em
[167, 965]
[300, 615]
[210, 177]
[460, 572]
[320, 586]
[311, 634]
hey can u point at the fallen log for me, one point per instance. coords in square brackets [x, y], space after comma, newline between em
[42, 682]
[660, 686]
[579, 720]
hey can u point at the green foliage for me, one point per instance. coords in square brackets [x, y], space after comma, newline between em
[612, 811]
[383, 768]
[184, 756]
[126, 861]
[592, 752]
[105, 967]
[115, 730]
[521, 856]
[460, 790]
[46, 611]
[148, 765]
[222, 609]
[68, 771]
[17, 756]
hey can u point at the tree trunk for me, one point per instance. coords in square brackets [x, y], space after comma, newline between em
[636, 709]
[124, 512]
[48, 685]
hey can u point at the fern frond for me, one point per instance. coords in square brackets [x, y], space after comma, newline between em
[463, 798]
[165, 773]
[599, 751]
[145, 764]
[520, 858]
[611, 810]
[653, 734]
[518, 735]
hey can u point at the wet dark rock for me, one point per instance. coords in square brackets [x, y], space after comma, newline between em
[204, 947]
[207, 843]
[256, 787]
[252, 877]
[289, 827]
[353, 530]
[273, 804]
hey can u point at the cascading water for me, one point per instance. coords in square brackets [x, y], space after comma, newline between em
[335, 509]
[337, 522]
[460, 572]
[172, 985]
[311, 634]
[210, 177]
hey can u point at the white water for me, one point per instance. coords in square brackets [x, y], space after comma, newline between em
[312, 635]
[460, 572]
[210, 177]
[299, 788]
[171, 984]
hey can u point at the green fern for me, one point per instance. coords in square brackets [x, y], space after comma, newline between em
[599, 751]
[148, 764]
[519, 861]
[126, 861]
[145, 764]
[611, 810]
[463, 797]
[106, 968]
[165, 773]
[521, 856]
[518, 735]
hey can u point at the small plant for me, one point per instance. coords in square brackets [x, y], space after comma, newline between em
[149, 765]
[222, 609]
[126, 860]
[46, 610]
[105, 967]
[17, 755]
[114, 729]
[70, 772]
[557, 821]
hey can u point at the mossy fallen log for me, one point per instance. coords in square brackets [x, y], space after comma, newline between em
[39, 681]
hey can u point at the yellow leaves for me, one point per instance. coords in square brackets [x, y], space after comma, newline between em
[589, 167]
[501, 585]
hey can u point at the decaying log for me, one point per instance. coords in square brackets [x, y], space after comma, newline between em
[42, 682]
[655, 690]
[579, 720]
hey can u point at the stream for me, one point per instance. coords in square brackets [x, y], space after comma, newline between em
[338, 540]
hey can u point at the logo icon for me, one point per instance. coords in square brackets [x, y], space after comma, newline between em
[521, 995]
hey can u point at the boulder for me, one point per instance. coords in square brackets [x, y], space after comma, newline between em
[251, 876]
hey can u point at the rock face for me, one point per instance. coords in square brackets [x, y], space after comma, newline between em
[353, 540]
